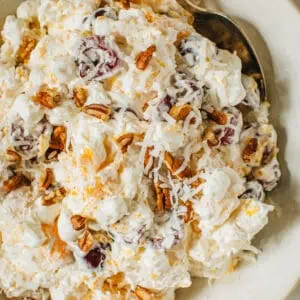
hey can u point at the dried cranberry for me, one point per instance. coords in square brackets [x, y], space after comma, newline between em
[25, 143]
[165, 104]
[226, 139]
[98, 58]
[96, 257]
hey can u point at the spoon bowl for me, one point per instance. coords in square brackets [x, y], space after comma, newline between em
[222, 30]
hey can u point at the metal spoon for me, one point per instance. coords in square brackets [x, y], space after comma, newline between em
[222, 30]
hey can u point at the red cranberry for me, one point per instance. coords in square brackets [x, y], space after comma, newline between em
[98, 58]
[96, 257]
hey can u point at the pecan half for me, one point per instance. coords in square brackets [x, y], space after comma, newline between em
[180, 112]
[24, 52]
[249, 150]
[173, 164]
[47, 97]
[78, 222]
[15, 182]
[54, 197]
[86, 241]
[13, 156]
[219, 117]
[143, 58]
[47, 179]
[80, 96]
[98, 111]
[124, 141]
[164, 198]
[58, 138]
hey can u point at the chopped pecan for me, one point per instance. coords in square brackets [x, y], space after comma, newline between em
[34, 23]
[80, 96]
[126, 4]
[146, 294]
[54, 197]
[47, 97]
[51, 154]
[86, 241]
[210, 137]
[181, 36]
[189, 212]
[195, 226]
[125, 141]
[143, 58]
[180, 112]
[47, 179]
[15, 182]
[24, 52]
[115, 284]
[249, 150]
[219, 117]
[98, 111]
[164, 198]
[173, 164]
[78, 222]
[58, 138]
[197, 182]
[13, 156]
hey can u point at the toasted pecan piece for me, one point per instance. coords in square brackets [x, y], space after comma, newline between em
[219, 117]
[15, 182]
[126, 4]
[250, 149]
[181, 36]
[116, 284]
[78, 222]
[173, 164]
[47, 179]
[58, 138]
[164, 198]
[54, 197]
[47, 97]
[143, 58]
[24, 52]
[13, 156]
[98, 111]
[124, 141]
[86, 241]
[180, 112]
[145, 294]
[80, 96]
[210, 137]
[195, 226]
[189, 212]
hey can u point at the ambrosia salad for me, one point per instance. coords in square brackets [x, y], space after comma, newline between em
[134, 153]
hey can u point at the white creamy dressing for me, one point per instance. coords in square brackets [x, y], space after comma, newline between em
[158, 253]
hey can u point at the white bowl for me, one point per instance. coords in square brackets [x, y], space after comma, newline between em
[274, 28]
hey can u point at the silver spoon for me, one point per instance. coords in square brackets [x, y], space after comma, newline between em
[222, 30]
